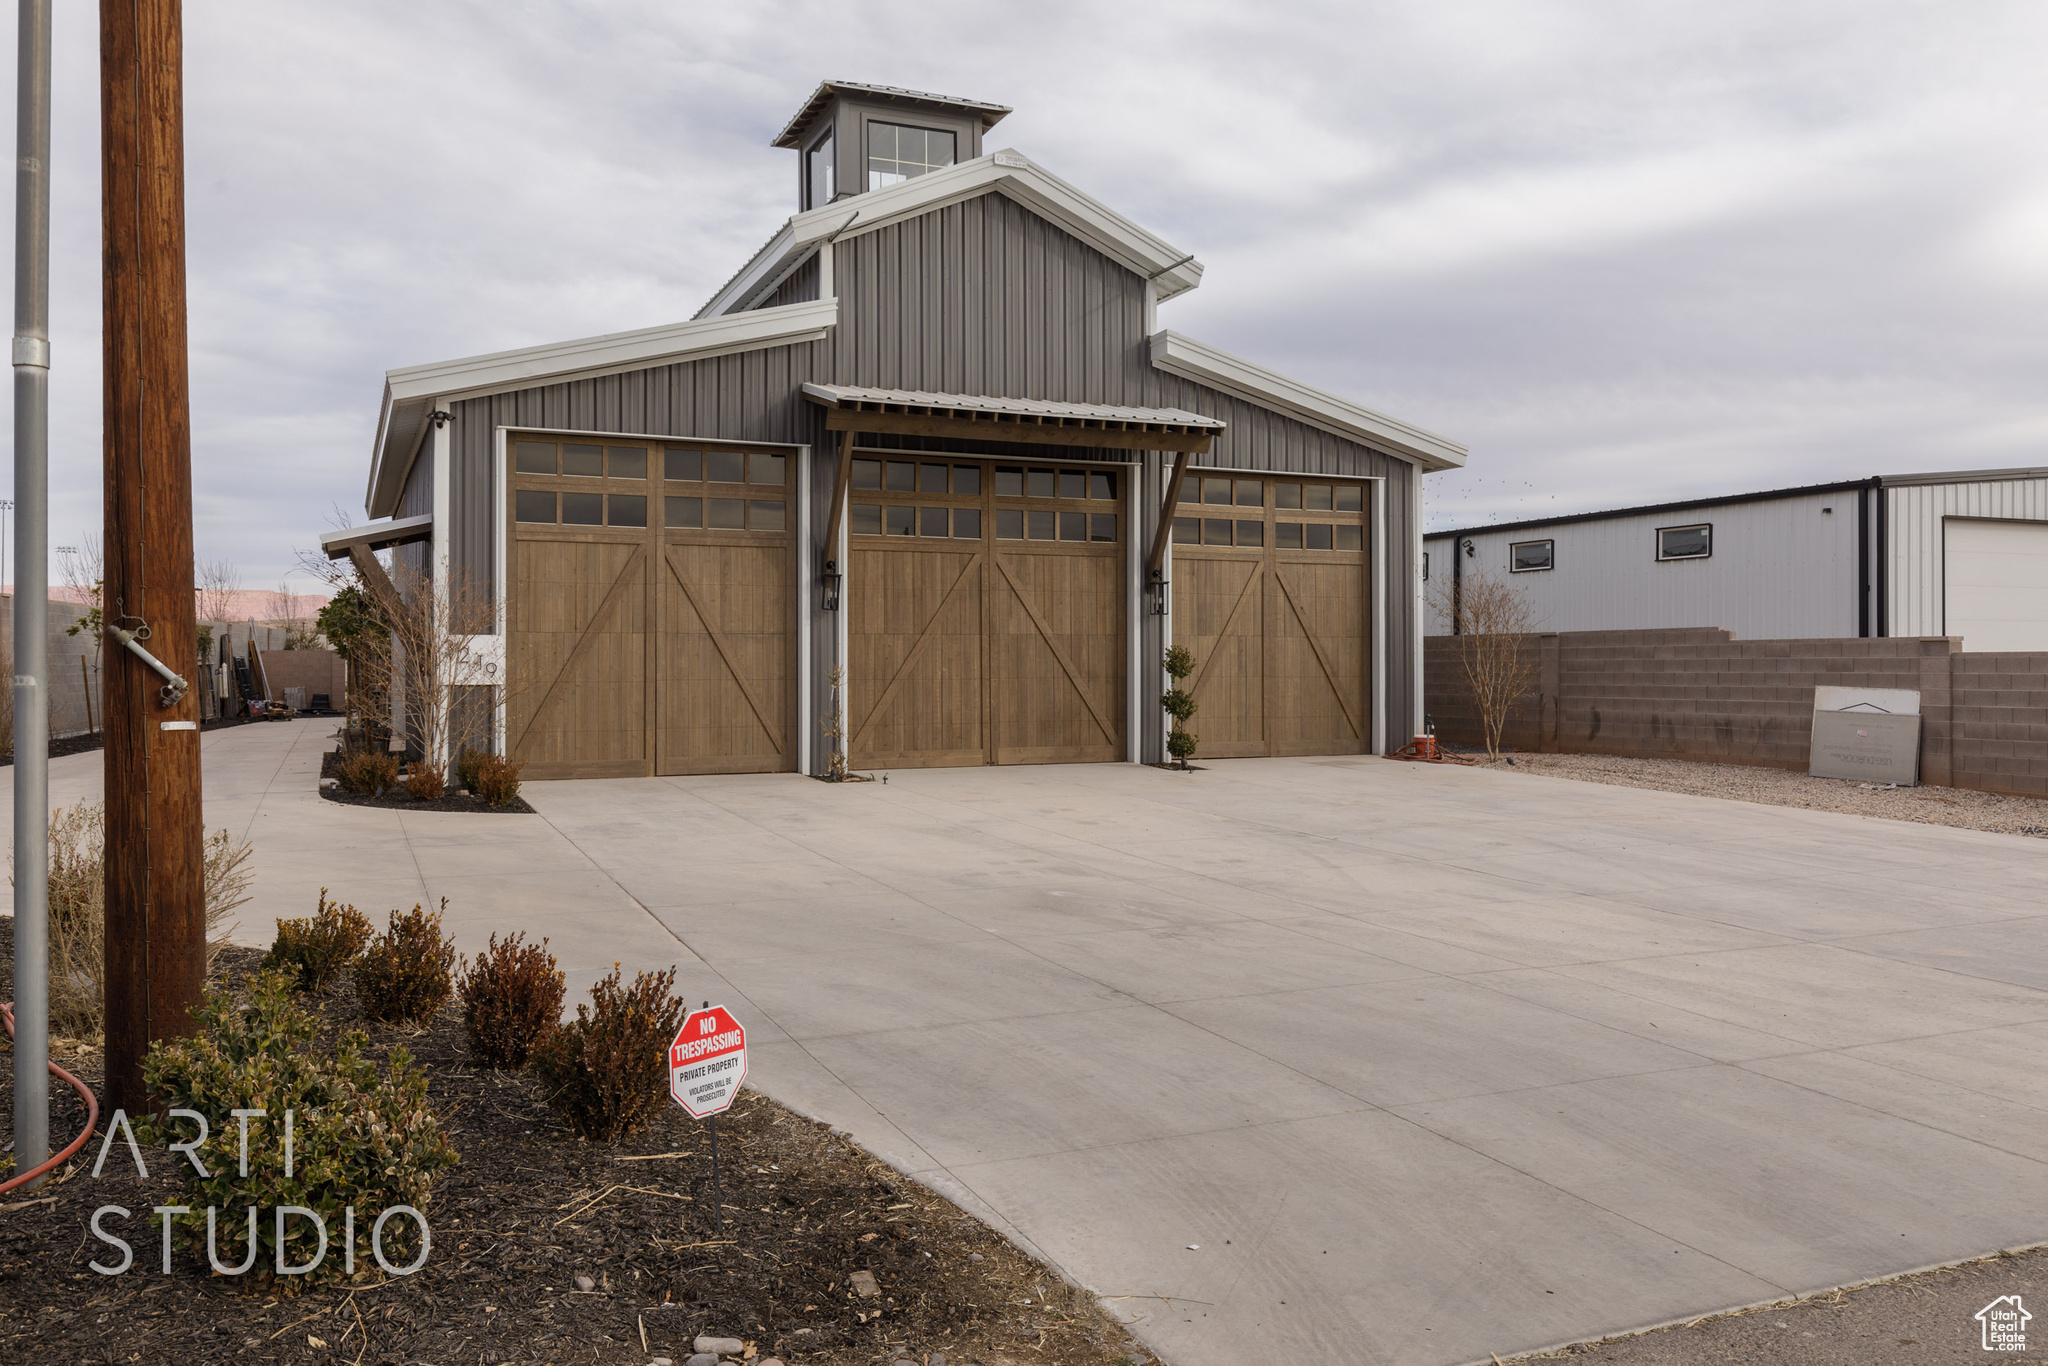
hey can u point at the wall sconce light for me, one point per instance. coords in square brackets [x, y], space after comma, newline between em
[440, 417]
[829, 586]
[1157, 586]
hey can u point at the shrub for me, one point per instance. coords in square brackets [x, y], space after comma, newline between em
[368, 771]
[405, 976]
[362, 1133]
[1179, 704]
[497, 779]
[606, 1071]
[318, 948]
[466, 766]
[511, 996]
[78, 910]
[425, 782]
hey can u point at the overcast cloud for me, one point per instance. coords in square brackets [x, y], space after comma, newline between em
[1626, 252]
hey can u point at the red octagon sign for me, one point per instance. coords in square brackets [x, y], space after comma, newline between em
[707, 1062]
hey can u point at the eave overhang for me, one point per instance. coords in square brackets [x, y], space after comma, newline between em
[411, 393]
[1193, 360]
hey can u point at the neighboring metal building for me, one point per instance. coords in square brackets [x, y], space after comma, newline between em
[926, 443]
[1958, 554]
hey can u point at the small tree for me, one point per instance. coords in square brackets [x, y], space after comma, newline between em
[417, 645]
[834, 727]
[1179, 704]
[1493, 623]
[218, 583]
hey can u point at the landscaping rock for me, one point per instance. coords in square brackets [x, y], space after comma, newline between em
[719, 1347]
[585, 1283]
[976, 1257]
[702, 1359]
[863, 1283]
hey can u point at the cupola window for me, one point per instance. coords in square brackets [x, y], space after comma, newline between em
[820, 176]
[897, 152]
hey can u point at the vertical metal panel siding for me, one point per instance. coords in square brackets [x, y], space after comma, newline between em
[1914, 514]
[800, 288]
[978, 297]
[1780, 570]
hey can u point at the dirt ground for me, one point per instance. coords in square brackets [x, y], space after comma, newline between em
[1780, 787]
[1924, 1320]
[531, 1217]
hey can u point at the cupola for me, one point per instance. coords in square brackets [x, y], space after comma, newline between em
[852, 138]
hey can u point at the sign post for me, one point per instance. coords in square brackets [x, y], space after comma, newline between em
[706, 1064]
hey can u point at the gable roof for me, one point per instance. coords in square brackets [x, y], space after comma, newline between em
[1008, 173]
[990, 114]
[410, 392]
[1205, 364]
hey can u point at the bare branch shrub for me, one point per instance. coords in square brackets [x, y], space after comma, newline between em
[1494, 625]
[78, 912]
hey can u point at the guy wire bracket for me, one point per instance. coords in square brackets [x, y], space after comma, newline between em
[174, 685]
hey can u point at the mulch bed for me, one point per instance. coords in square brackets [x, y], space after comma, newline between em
[86, 744]
[529, 1210]
[401, 800]
[398, 799]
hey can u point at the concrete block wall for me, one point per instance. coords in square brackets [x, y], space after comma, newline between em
[1702, 694]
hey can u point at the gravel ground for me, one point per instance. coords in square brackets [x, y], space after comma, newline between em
[1923, 1320]
[1780, 787]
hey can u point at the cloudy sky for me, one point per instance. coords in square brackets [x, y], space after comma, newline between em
[1625, 252]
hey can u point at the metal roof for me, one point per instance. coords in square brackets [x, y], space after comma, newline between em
[920, 403]
[991, 114]
[1648, 509]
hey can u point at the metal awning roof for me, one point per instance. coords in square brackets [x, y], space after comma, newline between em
[378, 535]
[1018, 419]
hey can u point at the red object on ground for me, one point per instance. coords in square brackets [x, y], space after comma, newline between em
[1423, 749]
[707, 1062]
[92, 1118]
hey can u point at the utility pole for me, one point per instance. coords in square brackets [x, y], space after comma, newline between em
[31, 589]
[156, 916]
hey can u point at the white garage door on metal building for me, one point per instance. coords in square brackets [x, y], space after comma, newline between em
[1995, 583]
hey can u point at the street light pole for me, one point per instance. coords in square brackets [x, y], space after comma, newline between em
[31, 588]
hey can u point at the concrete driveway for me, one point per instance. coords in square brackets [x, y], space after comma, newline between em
[1319, 1061]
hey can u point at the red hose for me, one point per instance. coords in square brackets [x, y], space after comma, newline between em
[92, 1118]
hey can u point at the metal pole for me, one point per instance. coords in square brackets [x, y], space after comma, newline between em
[717, 1192]
[32, 589]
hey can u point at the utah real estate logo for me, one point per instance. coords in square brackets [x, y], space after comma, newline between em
[2005, 1324]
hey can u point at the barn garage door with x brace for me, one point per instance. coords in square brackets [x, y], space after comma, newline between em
[1269, 594]
[650, 609]
[987, 613]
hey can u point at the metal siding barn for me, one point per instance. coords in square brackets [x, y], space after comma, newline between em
[1963, 554]
[1918, 513]
[978, 329]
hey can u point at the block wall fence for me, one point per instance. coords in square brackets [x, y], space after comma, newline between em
[1702, 694]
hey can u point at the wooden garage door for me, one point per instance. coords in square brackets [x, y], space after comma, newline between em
[651, 609]
[1269, 592]
[987, 613]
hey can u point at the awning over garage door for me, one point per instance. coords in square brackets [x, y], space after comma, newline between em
[989, 418]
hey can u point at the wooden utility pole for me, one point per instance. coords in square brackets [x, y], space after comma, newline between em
[156, 915]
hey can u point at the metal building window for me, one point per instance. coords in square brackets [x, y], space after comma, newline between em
[897, 153]
[1525, 557]
[1685, 542]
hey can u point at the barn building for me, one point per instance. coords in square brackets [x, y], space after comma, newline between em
[1947, 554]
[926, 464]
